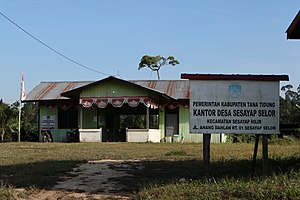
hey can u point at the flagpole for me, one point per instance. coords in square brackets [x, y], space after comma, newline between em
[19, 130]
[22, 97]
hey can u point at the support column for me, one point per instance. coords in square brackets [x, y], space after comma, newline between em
[81, 117]
[147, 117]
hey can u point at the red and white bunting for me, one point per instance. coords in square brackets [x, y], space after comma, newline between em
[172, 105]
[133, 102]
[87, 103]
[117, 102]
[101, 103]
[65, 106]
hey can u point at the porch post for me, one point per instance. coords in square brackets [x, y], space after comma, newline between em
[81, 116]
[147, 117]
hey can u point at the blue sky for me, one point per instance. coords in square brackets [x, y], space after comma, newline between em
[230, 37]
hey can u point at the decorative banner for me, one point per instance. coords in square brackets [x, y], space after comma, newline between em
[133, 102]
[146, 101]
[186, 106]
[117, 102]
[49, 106]
[65, 106]
[102, 103]
[87, 103]
[172, 105]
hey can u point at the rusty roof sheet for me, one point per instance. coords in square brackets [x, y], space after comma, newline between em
[52, 90]
[177, 89]
[45, 91]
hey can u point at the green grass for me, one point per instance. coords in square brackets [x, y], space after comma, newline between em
[284, 186]
[170, 171]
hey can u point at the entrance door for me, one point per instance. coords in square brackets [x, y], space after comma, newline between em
[172, 122]
[113, 131]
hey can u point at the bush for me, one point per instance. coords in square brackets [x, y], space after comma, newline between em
[240, 138]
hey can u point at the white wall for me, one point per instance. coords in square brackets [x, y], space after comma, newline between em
[90, 135]
[143, 135]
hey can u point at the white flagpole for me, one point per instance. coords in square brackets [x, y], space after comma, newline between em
[19, 130]
[22, 97]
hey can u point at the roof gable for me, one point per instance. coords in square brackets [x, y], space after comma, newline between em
[76, 92]
[293, 31]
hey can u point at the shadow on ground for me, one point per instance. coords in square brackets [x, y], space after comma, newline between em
[39, 174]
[163, 172]
[44, 175]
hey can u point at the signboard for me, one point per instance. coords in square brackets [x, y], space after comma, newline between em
[48, 122]
[239, 107]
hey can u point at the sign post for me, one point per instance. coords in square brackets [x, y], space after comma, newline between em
[206, 151]
[265, 154]
[234, 104]
[255, 154]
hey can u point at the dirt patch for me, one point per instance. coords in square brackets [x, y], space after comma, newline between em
[93, 180]
[63, 195]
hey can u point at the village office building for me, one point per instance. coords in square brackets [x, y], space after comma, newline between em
[116, 110]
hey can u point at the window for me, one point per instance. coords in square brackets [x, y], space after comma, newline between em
[138, 121]
[67, 119]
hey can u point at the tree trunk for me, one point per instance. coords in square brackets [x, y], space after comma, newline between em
[2, 135]
[158, 76]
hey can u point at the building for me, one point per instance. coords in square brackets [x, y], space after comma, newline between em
[116, 110]
[293, 31]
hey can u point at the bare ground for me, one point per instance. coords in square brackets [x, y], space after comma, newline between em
[92, 180]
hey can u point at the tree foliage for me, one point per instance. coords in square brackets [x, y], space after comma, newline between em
[29, 123]
[156, 62]
[9, 121]
[290, 106]
[294, 96]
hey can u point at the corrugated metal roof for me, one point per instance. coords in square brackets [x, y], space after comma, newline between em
[52, 90]
[177, 89]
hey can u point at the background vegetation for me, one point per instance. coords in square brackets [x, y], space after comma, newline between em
[9, 119]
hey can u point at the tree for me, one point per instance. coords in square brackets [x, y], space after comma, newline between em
[290, 105]
[29, 122]
[156, 62]
[8, 119]
[290, 94]
[290, 110]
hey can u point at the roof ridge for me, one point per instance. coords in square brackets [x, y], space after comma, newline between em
[66, 81]
[159, 80]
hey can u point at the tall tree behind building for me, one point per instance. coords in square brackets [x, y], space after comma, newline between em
[156, 62]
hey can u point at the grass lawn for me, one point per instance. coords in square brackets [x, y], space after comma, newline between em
[171, 171]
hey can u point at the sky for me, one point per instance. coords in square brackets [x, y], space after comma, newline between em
[111, 36]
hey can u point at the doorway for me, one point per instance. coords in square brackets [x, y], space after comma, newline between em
[172, 122]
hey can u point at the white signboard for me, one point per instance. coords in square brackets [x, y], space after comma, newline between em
[48, 122]
[239, 107]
